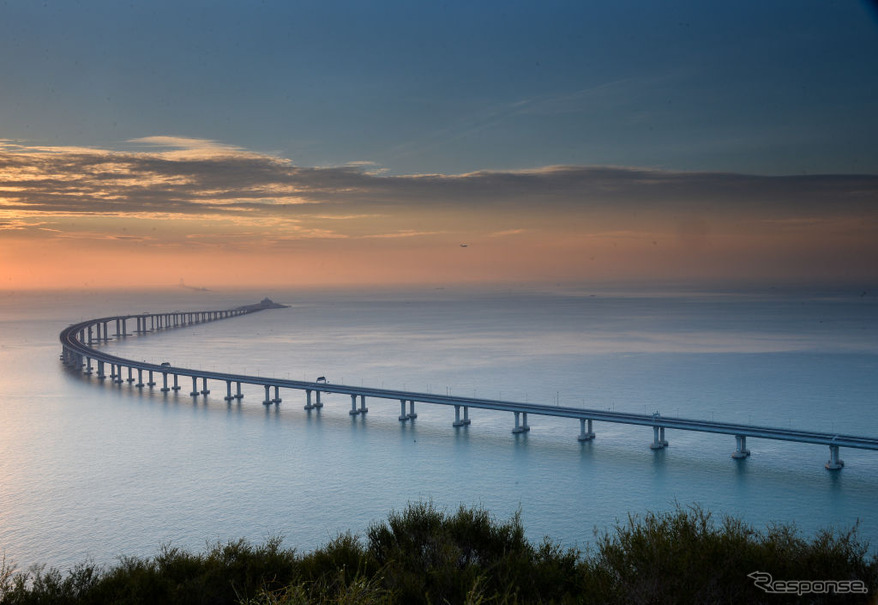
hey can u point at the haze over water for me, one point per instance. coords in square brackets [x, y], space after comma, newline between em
[97, 470]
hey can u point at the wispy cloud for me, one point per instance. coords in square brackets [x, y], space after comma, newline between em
[405, 233]
[507, 233]
[232, 181]
[181, 192]
[186, 148]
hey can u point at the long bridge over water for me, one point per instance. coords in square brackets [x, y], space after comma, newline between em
[79, 340]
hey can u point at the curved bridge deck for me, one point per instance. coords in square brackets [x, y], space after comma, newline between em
[78, 343]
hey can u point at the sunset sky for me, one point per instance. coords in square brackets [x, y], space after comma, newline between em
[344, 142]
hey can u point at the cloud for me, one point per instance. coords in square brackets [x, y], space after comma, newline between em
[186, 148]
[406, 233]
[507, 233]
[216, 192]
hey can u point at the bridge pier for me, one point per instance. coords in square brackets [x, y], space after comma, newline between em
[523, 427]
[194, 392]
[204, 389]
[658, 438]
[402, 415]
[583, 434]
[229, 395]
[121, 328]
[277, 398]
[318, 404]
[457, 419]
[165, 388]
[834, 464]
[411, 413]
[308, 405]
[354, 411]
[741, 450]
[130, 377]
[151, 382]
[88, 369]
[267, 395]
[139, 384]
[101, 375]
[176, 386]
[238, 394]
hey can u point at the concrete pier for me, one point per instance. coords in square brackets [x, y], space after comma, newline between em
[585, 435]
[658, 438]
[834, 464]
[458, 421]
[741, 450]
[522, 427]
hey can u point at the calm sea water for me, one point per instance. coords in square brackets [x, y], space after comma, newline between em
[93, 470]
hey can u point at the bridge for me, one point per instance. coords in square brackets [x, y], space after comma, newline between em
[79, 342]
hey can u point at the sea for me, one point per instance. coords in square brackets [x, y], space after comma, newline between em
[93, 472]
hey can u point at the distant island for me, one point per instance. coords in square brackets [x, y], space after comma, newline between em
[265, 303]
[188, 287]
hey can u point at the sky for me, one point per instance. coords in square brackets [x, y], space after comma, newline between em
[286, 143]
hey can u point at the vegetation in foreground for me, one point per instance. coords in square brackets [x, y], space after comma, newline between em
[424, 555]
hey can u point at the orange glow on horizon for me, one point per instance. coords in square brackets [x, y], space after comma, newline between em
[220, 216]
[554, 256]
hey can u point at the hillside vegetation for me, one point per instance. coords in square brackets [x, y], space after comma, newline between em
[425, 555]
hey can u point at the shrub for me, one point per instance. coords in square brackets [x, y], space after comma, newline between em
[683, 556]
[424, 555]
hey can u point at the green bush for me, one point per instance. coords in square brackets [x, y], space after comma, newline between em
[425, 555]
[684, 557]
[439, 558]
